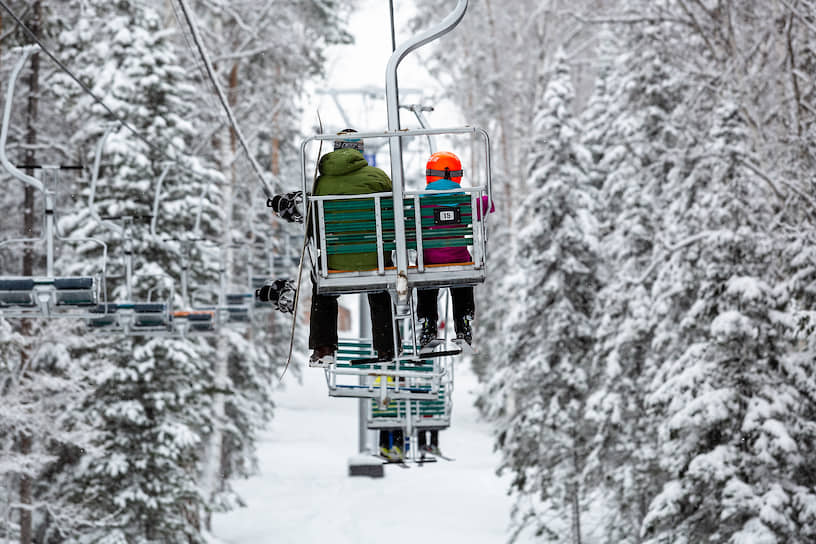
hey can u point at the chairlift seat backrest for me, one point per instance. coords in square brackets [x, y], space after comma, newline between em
[429, 414]
[238, 299]
[150, 315]
[17, 292]
[78, 291]
[349, 225]
[17, 284]
[74, 283]
[237, 314]
[198, 320]
[66, 291]
[404, 379]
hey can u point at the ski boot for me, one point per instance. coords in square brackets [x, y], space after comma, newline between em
[427, 334]
[433, 449]
[464, 331]
[396, 454]
[322, 356]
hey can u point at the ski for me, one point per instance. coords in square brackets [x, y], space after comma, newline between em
[397, 462]
[375, 360]
[302, 256]
[430, 346]
[443, 457]
[426, 458]
[466, 348]
[435, 454]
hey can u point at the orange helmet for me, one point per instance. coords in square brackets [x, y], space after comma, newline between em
[443, 165]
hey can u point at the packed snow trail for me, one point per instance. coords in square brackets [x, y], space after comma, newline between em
[304, 494]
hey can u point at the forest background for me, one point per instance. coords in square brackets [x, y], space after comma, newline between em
[652, 358]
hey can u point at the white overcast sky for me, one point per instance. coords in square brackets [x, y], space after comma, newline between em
[363, 64]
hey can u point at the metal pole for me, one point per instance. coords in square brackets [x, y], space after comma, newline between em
[423, 122]
[127, 235]
[100, 146]
[185, 267]
[49, 229]
[393, 33]
[157, 199]
[362, 412]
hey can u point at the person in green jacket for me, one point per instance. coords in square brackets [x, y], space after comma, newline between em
[345, 171]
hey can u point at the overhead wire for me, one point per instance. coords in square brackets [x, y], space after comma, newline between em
[197, 64]
[224, 103]
[393, 33]
[122, 120]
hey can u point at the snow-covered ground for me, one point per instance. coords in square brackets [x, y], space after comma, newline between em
[305, 495]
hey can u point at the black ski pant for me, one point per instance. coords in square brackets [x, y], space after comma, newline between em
[392, 438]
[323, 321]
[461, 297]
[423, 439]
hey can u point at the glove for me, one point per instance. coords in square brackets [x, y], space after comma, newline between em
[285, 206]
[281, 293]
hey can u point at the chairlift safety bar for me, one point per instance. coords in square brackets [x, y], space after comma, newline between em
[402, 133]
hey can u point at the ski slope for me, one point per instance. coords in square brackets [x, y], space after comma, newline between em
[304, 494]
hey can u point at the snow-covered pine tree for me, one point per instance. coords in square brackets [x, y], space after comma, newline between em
[151, 403]
[263, 56]
[544, 379]
[737, 437]
[631, 137]
[490, 67]
[40, 385]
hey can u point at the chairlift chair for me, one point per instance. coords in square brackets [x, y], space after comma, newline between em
[399, 379]
[47, 295]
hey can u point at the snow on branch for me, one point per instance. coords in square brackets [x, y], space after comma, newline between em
[796, 13]
[239, 55]
[668, 250]
[611, 19]
[765, 177]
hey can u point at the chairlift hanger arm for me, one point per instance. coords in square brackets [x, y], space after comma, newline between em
[423, 122]
[444, 26]
[395, 143]
[94, 178]
[118, 118]
[15, 74]
[268, 189]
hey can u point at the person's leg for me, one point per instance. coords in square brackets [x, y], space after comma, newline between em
[323, 321]
[464, 308]
[427, 315]
[421, 440]
[399, 440]
[435, 438]
[426, 305]
[382, 322]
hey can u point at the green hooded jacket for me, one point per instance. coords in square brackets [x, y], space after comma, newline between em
[346, 172]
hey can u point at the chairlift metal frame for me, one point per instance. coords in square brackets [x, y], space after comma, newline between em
[46, 296]
[414, 275]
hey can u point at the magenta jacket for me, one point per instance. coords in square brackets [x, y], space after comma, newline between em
[443, 255]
